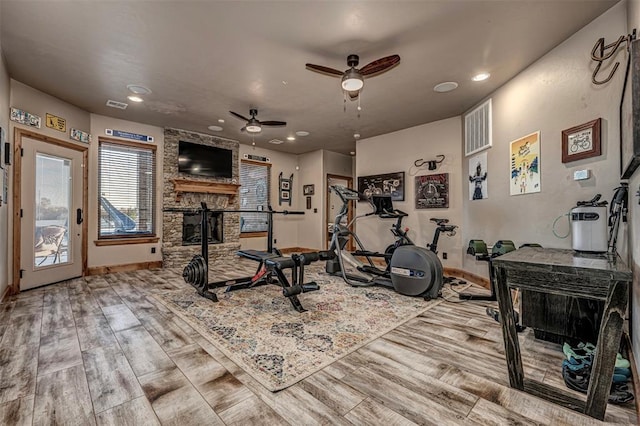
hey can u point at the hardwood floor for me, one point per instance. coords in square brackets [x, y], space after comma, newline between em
[101, 350]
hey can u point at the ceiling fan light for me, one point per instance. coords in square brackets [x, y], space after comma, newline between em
[253, 128]
[352, 81]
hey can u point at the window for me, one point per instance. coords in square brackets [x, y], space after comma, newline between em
[254, 195]
[126, 184]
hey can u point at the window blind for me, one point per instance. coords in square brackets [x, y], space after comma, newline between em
[126, 188]
[254, 195]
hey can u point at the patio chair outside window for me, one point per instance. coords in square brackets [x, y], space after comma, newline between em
[48, 242]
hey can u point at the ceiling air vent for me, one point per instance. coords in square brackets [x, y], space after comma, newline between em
[116, 104]
[477, 129]
[276, 141]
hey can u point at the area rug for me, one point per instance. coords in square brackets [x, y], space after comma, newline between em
[260, 331]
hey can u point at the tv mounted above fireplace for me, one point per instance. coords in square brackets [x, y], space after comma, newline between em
[204, 160]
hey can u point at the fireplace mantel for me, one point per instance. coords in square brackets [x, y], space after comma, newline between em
[187, 185]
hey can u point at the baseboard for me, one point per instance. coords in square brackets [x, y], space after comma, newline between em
[7, 293]
[289, 250]
[101, 270]
[469, 276]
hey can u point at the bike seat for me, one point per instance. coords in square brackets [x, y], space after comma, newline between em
[439, 221]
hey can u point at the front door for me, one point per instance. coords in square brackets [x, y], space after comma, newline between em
[51, 213]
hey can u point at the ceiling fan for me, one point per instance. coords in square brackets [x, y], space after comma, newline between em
[253, 124]
[353, 78]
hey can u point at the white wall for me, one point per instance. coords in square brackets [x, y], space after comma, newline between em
[5, 213]
[310, 229]
[553, 94]
[285, 228]
[396, 152]
[121, 254]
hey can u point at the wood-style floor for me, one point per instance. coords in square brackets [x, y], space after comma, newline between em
[102, 350]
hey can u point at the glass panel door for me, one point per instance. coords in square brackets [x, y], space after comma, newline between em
[52, 210]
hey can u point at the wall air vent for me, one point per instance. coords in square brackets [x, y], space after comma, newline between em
[116, 104]
[477, 129]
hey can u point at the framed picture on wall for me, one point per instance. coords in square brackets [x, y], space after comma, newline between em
[581, 141]
[384, 184]
[308, 189]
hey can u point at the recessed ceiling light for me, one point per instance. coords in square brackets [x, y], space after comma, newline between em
[276, 141]
[135, 98]
[352, 153]
[302, 133]
[220, 120]
[481, 77]
[215, 128]
[291, 138]
[447, 86]
[138, 89]
[285, 82]
[356, 135]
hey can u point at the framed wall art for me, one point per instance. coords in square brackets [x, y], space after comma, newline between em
[432, 191]
[284, 189]
[525, 164]
[308, 189]
[385, 184]
[581, 141]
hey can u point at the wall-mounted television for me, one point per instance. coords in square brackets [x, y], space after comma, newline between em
[204, 160]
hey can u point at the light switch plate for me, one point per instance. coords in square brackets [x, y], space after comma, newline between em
[581, 174]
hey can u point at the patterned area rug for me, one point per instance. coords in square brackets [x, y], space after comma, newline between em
[259, 329]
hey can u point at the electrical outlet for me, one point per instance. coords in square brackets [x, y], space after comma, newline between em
[153, 249]
[444, 255]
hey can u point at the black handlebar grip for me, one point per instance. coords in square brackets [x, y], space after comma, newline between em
[285, 212]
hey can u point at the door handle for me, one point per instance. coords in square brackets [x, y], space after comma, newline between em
[79, 218]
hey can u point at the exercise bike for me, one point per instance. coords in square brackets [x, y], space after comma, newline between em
[412, 270]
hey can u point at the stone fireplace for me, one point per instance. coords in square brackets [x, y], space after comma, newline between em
[182, 191]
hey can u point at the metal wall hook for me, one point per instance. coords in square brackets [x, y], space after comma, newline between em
[598, 54]
[431, 164]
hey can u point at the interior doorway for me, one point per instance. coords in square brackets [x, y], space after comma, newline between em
[49, 229]
[333, 207]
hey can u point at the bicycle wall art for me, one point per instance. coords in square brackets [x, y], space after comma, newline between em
[432, 191]
[386, 184]
[581, 142]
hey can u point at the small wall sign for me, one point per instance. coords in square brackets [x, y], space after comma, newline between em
[79, 135]
[24, 117]
[128, 135]
[55, 122]
[256, 158]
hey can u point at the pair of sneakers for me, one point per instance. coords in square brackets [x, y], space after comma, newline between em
[585, 350]
[578, 380]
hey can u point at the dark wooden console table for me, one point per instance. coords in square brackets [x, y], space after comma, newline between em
[565, 272]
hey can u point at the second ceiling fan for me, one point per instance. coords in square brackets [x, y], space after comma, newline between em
[353, 78]
[253, 124]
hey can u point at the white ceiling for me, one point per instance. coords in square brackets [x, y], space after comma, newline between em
[204, 58]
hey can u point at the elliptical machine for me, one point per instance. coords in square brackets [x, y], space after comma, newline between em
[413, 271]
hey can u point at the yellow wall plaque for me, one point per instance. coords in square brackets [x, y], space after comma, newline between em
[56, 122]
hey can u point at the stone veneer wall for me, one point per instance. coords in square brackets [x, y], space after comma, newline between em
[174, 254]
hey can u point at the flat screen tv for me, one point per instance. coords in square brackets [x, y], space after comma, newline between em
[204, 160]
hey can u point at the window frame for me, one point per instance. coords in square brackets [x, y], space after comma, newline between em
[256, 234]
[146, 238]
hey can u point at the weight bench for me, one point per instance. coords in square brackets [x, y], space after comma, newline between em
[270, 271]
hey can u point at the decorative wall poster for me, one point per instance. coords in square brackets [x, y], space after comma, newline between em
[24, 117]
[55, 122]
[285, 187]
[525, 164]
[478, 177]
[387, 184]
[79, 135]
[432, 191]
